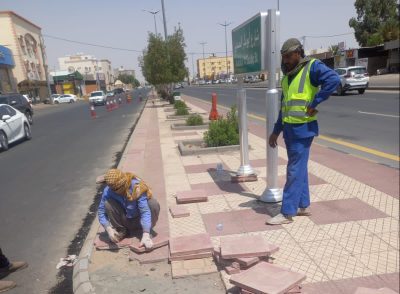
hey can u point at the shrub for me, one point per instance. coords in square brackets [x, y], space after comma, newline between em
[179, 104]
[171, 99]
[181, 111]
[224, 131]
[194, 120]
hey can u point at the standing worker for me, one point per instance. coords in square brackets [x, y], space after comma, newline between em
[298, 121]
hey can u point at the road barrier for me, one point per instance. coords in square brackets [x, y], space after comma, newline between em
[213, 112]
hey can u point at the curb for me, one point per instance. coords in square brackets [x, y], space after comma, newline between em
[388, 88]
[80, 277]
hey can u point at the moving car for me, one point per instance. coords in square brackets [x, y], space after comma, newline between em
[48, 99]
[97, 98]
[19, 102]
[14, 126]
[65, 98]
[352, 78]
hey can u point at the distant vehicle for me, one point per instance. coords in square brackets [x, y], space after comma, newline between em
[208, 82]
[352, 78]
[14, 126]
[118, 91]
[48, 99]
[65, 98]
[178, 86]
[97, 98]
[19, 102]
[202, 82]
[382, 71]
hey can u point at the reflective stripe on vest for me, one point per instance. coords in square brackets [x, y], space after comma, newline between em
[301, 93]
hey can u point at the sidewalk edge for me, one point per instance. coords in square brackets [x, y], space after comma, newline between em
[80, 277]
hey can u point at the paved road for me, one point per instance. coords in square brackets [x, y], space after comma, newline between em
[370, 120]
[48, 184]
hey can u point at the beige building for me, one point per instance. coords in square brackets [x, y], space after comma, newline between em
[25, 41]
[89, 67]
[213, 67]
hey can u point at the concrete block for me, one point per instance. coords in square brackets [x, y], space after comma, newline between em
[242, 179]
[191, 196]
[230, 270]
[191, 256]
[85, 288]
[102, 242]
[80, 278]
[246, 262]
[80, 266]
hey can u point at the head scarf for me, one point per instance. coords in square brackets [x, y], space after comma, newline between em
[120, 182]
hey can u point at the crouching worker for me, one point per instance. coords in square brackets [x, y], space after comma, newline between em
[127, 207]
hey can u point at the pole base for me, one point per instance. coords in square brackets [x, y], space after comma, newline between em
[245, 170]
[271, 195]
[242, 179]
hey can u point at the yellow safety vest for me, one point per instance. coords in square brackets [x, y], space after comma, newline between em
[298, 96]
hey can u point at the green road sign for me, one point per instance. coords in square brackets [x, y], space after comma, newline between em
[248, 42]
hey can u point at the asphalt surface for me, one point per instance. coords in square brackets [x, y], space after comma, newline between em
[370, 120]
[48, 184]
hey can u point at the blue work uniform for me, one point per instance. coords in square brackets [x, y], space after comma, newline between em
[298, 139]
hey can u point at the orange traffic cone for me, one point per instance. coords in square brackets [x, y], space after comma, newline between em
[213, 112]
[92, 112]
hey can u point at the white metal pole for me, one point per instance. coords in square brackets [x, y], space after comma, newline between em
[272, 192]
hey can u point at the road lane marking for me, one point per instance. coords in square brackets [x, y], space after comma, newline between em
[378, 114]
[329, 139]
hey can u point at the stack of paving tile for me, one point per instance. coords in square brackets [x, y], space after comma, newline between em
[159, 252]
[242, 252]
[190, 247]
[362, 290]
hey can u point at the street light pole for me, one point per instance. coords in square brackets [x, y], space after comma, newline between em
[225, 24]
[164, 19]
[204, 60]
[154, 16]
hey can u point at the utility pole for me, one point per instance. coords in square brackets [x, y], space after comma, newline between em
[204, 60]
[192, 66]
[164, 19]
[46, 67]
[225, 24]
[154, 16]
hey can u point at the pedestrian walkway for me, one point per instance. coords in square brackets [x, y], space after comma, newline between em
[351, 239]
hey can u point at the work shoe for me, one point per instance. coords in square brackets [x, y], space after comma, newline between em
[13, 267]
[279, 219]
[6, 285]
[304, 212]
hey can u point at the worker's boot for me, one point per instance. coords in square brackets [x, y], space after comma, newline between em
[13, 267]
[6, 285]
[280, 219]
[304, 212]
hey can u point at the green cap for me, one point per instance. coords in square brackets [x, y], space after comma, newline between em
[290, 45]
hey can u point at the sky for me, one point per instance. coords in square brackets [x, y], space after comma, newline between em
[124, 24]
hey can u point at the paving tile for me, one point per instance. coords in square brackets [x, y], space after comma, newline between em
[191, 256]
[157, 255]
[247, 261]
[336, 211]
[160, 240]
[361, 244]
[263, 162]
[235, 222]
[214, 204]
[184, 245]
[181, 134]
[246, 246]
[202, 168]
[199, 178]
[307, 233]
[321, 288]
[373, 281]
[179, 211]
[279, 279]
[230, 270]
[192, 267]
[384, 262]
[343, 230]
[380, 225]
[102, 242]
[326, 192]
[195, 195]
[392, 238]
[219, 188]
[363, 290]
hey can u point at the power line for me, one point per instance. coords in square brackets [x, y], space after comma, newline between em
[329, 36]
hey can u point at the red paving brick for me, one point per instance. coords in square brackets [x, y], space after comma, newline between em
[179, 211]
[247, 261]
[230, 270]
[246, 246]
[184, 245]
[157, 255]
[195, 195]
[219, 188]
[267, 278]
[102, 242]
[263, 162]
[158, 241]
[363, 290]
[202, 168]
[238, 221]
[345, 210]
[191, 256]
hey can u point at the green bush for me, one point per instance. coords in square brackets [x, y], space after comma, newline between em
[171, 99]
[179, 104]
[224, 131]
[194, 120]
[181, 111]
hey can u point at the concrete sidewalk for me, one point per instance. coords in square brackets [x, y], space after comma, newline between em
[351, 240]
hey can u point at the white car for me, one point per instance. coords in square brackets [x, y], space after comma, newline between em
[65, 98]
[352, 78]
[97, 98]
[14, 126]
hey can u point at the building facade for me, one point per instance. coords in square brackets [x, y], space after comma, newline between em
[25, 41]
[7, 80]
[214, 67]
[122, 71]
[90, 68]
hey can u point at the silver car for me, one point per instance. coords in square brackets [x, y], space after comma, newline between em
[352, 78]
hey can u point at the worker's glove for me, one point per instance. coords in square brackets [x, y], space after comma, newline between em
[146, 241]
[113, 234]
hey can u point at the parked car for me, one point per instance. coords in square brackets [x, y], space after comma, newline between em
[19, 102]
[48, 99]
[178, 86]
[97, 98]
[352, 78]
[118, 91]
[14, 126]
[65, 98]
